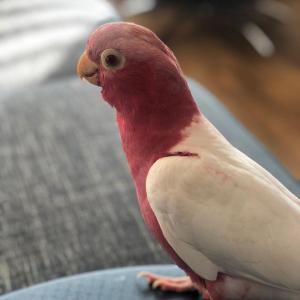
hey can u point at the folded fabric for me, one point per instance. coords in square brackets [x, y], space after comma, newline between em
[115, 284]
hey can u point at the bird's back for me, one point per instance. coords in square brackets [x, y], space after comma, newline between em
[227, 207]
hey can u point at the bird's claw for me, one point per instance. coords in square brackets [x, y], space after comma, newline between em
[176, 284]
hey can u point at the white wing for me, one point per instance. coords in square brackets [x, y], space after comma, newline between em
[222, 212]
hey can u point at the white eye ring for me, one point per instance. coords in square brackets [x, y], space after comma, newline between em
[112, 59]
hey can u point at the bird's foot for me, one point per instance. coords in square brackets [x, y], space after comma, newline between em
[173, 284]
[170, 284]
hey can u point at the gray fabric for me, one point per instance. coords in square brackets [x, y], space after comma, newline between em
[67, 203]
[116, 284]
[41, 39]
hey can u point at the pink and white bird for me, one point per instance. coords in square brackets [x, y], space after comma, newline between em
[228, 223]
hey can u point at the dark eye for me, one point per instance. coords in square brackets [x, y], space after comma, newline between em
[112, 59]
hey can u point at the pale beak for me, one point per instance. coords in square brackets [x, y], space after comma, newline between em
[87, 69]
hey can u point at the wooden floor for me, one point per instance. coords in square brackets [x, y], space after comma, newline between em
[263, 93]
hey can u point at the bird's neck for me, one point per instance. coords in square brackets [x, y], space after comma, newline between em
[148, 137]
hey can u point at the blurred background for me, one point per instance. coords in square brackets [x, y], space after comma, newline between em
[247, 52]
[64, 183]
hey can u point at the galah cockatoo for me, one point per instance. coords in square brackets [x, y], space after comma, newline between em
[228, 223]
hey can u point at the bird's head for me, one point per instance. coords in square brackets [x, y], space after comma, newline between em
[135, 69]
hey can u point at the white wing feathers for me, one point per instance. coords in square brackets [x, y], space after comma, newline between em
[222, 212]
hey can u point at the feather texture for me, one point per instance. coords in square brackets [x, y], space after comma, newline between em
[228, 223]
[222, 212]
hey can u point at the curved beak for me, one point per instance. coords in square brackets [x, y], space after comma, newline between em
[87, 69]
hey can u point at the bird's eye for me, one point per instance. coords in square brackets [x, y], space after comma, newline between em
[112, 59]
